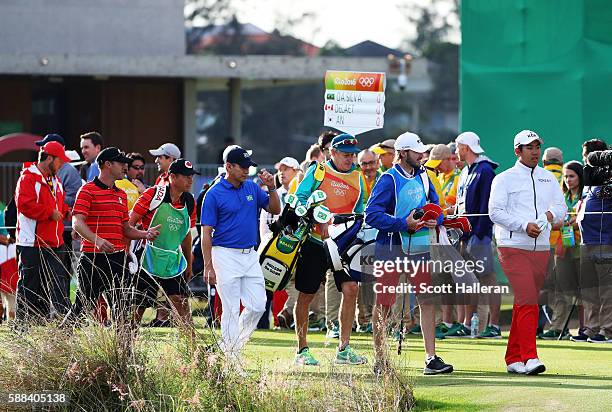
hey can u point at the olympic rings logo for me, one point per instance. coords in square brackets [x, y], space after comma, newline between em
[173, 227]
[339, 192]
[366, 81]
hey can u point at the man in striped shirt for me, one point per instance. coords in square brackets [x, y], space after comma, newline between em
[100, 217]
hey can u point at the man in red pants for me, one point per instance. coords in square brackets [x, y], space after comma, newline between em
[525, 200]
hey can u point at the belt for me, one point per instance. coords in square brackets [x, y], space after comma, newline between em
[243, 251]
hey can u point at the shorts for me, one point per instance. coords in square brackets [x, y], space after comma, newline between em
[385, 286]
[311, 268]
[147, 287]
[480, 251]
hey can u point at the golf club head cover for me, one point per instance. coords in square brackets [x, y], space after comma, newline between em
[432, 212]
[461, 223]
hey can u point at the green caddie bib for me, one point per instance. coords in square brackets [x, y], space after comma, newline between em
[164, 257]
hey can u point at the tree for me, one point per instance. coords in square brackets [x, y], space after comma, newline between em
[434, 21]
[332, 48]
[204, 12]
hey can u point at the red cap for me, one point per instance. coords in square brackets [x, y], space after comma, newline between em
[55, 149]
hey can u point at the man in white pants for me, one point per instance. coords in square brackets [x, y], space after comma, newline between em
[229, 236]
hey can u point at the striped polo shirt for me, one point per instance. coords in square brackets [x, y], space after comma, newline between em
[105, 210]
[144, 202]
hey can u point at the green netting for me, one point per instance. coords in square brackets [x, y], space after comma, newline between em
[544, 65]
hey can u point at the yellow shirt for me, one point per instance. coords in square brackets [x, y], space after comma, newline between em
[556, 170]
[449, 183]
[130, 190]
[436, 183]
[368, 187]
[293, 184]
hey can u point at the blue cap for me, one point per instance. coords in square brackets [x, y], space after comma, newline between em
[346, 143]
[52, 137]
[240, 157]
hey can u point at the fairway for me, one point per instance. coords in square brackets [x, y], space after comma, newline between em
[579, 375]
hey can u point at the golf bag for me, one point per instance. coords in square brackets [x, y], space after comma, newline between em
[279, 250]
[350, 245]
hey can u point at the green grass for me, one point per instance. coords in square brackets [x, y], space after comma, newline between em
[579, 375]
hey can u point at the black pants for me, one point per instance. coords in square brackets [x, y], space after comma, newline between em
[43, 285]
[100, 273]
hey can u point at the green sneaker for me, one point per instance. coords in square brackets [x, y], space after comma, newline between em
[316, 325]
[453, 329]
[460, 331]
[553, 334]
[441, 330]
[366, 328]
[415, 330]
[347, 356]
[334, 332]
[305, 358]
[490, 332]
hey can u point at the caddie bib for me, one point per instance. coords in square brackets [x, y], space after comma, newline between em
[410, 194]
[164, 257]
[343, 192]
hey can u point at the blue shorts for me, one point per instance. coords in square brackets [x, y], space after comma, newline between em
[480, 251]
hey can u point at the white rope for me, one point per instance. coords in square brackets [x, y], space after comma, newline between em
[486, 214]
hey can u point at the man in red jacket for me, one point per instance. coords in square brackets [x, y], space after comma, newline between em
[39, 198]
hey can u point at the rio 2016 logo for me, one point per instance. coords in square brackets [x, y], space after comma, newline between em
[366, 81]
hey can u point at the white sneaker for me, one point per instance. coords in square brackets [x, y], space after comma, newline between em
[517, 367]
[534, 367]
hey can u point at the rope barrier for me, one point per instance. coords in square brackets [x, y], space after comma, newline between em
[68, 227]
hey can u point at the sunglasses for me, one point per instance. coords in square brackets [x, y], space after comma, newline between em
[365, 164]
[351, 141]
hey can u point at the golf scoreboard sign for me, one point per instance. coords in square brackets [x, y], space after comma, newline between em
[354, 101]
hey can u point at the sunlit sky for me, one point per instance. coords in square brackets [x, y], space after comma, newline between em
[346, 22]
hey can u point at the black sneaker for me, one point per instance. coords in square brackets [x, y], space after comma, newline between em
[599, 338]
[580, 337]
[436, 366]
[284, 320]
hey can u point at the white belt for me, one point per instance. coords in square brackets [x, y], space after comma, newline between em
[243, 251]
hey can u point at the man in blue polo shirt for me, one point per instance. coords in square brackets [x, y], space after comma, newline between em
[229, 236]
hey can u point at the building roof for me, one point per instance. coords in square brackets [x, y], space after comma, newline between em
[370, 48]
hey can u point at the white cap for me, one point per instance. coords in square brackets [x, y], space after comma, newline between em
[526, 137]
[410, 141]
[470, 139]
[167, 149]
[289, 162]
[73, 155]
[232, 147]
